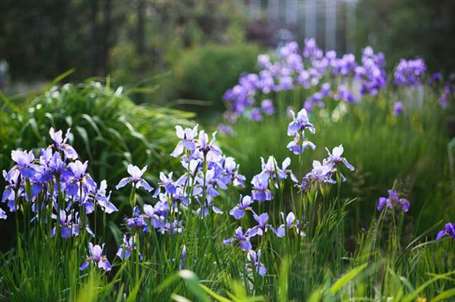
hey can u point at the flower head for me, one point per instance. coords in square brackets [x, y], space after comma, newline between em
[103, 199]
[240, 209]
[290, 222]
[96, 257]
[398, 108]
[187, 140]
[255, 259]
[260, 190]
[241, 238]
[126, 248]
[448, 230]
[392, 201]
[3, 214]
[135, 178]
[60, 143]
[335, 158]
[300, 123]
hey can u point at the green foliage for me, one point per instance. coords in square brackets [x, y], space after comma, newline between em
[42, 39]
[109, 129]
[205, 73]
[395, 26]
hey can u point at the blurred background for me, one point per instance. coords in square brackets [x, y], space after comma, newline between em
[179, 48]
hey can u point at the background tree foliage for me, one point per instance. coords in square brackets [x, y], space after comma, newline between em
[409, 28]
[41, 39]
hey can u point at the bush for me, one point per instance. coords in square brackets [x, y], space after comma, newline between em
[205, 73]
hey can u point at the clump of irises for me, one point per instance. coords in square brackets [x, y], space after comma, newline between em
[409, 72]
[53, 184]
[324, 76]
[267, 184]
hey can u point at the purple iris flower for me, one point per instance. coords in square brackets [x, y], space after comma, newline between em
[285, 83]
[393, 200]
[448, 230]
[299, 145]
[225, 129]
[187, 140]
[240, 209]
[255, 114]
[297, 128]
[311, 50]
[300, 123]
[290, 222]
[345, 94]
[445, 96]
[168, 184]
[272, 169]
[9, 194]
[69, 224]
[24, 162]
[157, 214]
[126, 248]
[96, 257]
[210, 151]
[103, 199]
[3, 214]
[335, 158]
[262, 226]
[321, 172]
[231, 170]
[261, 190]
[255, 259]
[398, 108]
[436, 78]
[60, 143]
[137, 221]
[243, 239]
[135, 178]
[267, 107]
[80, 181]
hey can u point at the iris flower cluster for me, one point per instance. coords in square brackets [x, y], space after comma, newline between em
[342, 78]
[207, 172]
[409, 72]
[272, 178]
[55, 185]
[324, 75]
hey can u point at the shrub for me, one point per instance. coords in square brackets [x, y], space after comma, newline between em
[205, 73]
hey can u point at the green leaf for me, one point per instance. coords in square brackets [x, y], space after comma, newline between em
[445, 295]
[410, 297]
[346, 278]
